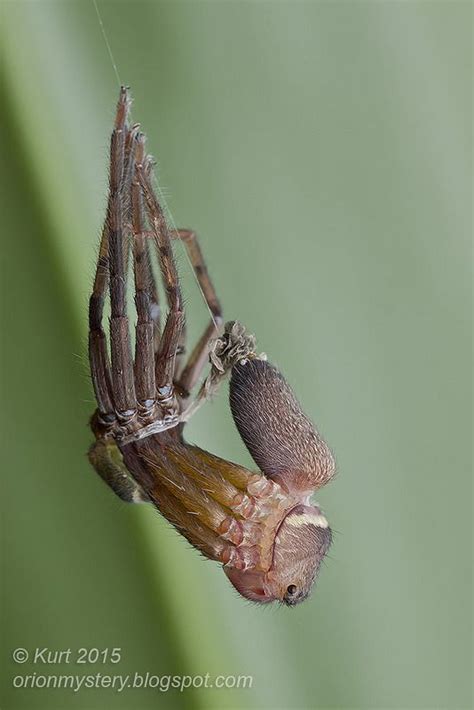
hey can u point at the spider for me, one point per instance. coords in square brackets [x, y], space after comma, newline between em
[260, 525]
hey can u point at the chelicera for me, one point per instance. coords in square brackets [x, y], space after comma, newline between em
[261, 526]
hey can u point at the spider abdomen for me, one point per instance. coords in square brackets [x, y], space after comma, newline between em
[279, 436]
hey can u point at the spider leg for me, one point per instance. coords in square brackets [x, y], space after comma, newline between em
[100, 365]
[146, 299]
[107, 460]
[198, 358]
[155, 300]
[171, 336]
[121, 353]
[99, 359]
[227, 512]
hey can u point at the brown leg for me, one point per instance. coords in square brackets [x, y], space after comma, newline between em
[107, 460]
[98, 355]
[121, 353]
[100, 366]
[155, 299]
[197, 360]
[145, 299]
[171, 337]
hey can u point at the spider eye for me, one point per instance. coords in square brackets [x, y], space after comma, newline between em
[291, 590]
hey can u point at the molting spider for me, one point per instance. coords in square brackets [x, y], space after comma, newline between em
[260, 526]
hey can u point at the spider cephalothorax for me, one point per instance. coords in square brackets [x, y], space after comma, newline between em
[261, 526]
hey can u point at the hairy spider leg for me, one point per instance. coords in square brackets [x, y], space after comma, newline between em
[171, 336]
[106, 458]
[146, 299]
[102, 379]
[198, 358]
[123, 382]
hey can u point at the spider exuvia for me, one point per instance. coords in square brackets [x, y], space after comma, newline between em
[261, 526]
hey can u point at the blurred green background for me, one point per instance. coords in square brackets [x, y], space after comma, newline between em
[323, 152]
